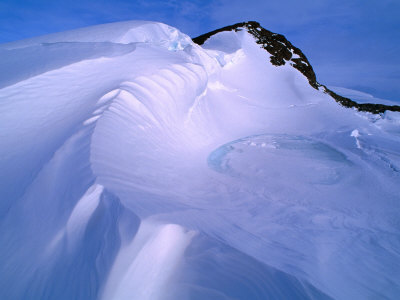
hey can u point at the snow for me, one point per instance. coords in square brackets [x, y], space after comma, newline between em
[361, 97]
[144, 270]
[138, 165]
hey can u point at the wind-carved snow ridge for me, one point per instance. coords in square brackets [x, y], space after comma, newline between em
[136, 164]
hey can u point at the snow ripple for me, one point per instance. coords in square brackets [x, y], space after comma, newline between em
[142, 166]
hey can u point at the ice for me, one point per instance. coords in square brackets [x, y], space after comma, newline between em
[315, 162]
[135, 164]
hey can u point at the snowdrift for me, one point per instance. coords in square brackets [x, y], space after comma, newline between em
[136, 164]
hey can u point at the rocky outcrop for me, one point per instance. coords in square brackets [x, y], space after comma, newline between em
[282, 52]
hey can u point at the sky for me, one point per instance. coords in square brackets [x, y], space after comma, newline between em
[350, 43]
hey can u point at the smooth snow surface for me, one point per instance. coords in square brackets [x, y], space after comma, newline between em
[360, 97]
[135, 164]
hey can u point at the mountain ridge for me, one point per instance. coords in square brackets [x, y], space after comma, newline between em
[282, 51]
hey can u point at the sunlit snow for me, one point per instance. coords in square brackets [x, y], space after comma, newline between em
[135, 164]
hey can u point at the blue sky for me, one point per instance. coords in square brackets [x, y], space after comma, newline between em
[353, 43]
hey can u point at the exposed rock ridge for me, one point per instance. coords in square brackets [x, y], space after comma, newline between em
[283, 51]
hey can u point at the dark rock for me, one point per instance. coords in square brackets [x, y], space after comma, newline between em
[367, 107]
[282, 52]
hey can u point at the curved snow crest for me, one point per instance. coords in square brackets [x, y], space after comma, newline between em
[162, 170]
[120, 32]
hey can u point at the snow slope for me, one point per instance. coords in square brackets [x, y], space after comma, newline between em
[361, 97]
[135, 164]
